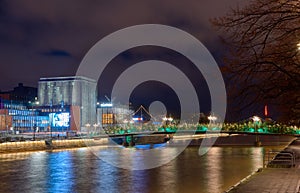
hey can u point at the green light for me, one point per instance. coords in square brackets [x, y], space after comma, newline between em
[161, 129]
[202, 128]
[251, 130]
[260, 130]
[215, 129]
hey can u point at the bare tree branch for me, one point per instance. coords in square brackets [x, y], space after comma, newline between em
[263, 38]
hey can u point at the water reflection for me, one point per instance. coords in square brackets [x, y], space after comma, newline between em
[59, 172]
[81, 171]
[214, 169]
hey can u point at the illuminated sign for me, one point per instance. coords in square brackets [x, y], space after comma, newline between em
[106, 105]
[60, 119]
[137, 118]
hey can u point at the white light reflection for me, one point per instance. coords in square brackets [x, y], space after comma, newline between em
[214, 167]
[257, 157]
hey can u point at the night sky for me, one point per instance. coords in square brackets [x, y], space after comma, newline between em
[50, 38]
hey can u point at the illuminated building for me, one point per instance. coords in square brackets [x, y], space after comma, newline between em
[18, 118]
[75, 95]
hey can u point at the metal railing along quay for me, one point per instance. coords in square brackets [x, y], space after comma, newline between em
[279, 159]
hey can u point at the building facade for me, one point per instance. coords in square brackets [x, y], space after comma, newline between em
[16, 117]
[76, 92]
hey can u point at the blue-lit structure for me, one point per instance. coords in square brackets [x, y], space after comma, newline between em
[59, 117]
[17, 117]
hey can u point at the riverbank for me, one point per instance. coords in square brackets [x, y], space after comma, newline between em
[228, 140]
[23, 146]
[247, 140]
[273, 179]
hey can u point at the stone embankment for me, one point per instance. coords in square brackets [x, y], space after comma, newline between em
[11, 147]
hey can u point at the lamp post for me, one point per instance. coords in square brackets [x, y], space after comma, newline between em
[95, 126]
[256, 121]
[87, 128]
[33, 130]
[168, 120]
[212, 120]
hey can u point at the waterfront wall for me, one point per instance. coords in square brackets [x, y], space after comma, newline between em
[10, 147]
[248, 140]
[233, 140]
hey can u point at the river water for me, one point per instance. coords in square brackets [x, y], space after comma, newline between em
[79, 170]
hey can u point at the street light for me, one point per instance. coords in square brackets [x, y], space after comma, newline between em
[256, 121]
[33, 123]
[255, 118]
[212, 121]
[95, 126]
[212, 118]
[168, 120]
[298, 45]
[87, 128]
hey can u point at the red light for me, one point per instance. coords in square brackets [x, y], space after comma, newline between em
[266, 110]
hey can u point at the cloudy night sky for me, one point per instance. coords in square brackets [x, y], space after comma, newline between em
[50, 38]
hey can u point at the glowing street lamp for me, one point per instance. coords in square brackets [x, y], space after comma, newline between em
[87, 126]
[95, 127]
[255, 118]
[212, 118]
[212, 121]
[298, 45]
[256, 121]
[168, 119]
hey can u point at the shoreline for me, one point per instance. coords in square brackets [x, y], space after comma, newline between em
[222, 141]
[282, 176]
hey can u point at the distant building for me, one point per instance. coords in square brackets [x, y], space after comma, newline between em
[15, 117]
[75, 94]
[20, 93]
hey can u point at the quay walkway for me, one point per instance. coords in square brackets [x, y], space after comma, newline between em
[274, 180]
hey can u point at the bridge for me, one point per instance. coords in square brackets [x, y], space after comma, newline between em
[227, 128]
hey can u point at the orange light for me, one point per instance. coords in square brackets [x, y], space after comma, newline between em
[266, 110]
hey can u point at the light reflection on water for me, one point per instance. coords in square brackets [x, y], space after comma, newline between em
[80, 171]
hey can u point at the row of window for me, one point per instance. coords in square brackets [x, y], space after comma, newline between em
[12, 106]
[53, 110]
[31, 122]
[22, 112]
[29, 125]
[31, 118]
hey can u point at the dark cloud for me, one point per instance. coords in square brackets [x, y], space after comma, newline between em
[31, 29]
[56, 53]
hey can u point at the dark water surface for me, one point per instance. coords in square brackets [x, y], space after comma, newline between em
[79, 170]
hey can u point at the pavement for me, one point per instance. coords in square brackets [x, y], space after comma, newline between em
[274, 180]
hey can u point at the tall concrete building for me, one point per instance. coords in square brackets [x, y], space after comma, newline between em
[77, 92]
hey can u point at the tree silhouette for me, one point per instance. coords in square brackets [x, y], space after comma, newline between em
[263, 40]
